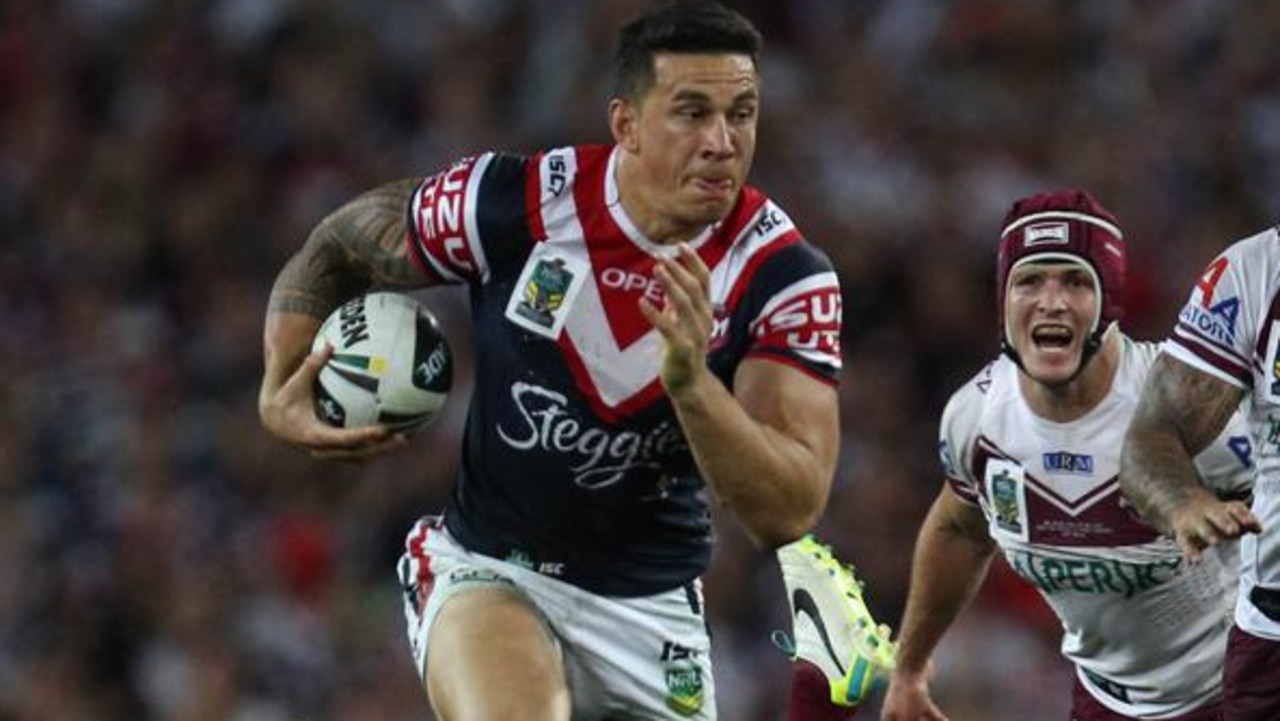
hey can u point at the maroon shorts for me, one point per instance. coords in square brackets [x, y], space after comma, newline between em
[1084, 707]
[1251, 678]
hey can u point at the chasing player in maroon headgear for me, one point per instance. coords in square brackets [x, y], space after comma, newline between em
[1031, 452]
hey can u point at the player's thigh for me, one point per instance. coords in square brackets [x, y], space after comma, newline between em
[641, 659]
[491, 658]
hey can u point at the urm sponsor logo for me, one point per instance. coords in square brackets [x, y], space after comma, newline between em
[1064, 462]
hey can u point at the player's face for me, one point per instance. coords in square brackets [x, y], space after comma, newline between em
[1048, 312]
[690, 141]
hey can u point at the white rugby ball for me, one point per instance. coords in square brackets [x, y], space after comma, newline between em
[390, 365]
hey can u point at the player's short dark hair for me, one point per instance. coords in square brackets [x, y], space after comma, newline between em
[686, 26]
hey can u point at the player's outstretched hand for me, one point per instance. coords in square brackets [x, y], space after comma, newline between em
[1206, 521]
[685, 319]
[288, 411]
[908, 699]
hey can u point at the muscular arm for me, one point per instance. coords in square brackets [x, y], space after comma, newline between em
[1180, 412]
[358, 247]
[953, 552]
[768, 449]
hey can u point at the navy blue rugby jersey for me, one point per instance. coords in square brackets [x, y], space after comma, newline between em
[574, 463]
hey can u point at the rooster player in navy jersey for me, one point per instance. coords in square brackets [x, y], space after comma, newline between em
[650, 331]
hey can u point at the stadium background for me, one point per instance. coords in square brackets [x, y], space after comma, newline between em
[162, 558]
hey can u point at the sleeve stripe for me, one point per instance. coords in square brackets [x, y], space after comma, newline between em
[1208, 358]
[533, 200]
[474, 242]
[414, 241]
[789, 360]
[963, 490]
[1193, 337]
[811, 283]
[557, 207]
[442, 270]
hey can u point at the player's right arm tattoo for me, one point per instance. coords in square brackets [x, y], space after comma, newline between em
[359, 246]
[1180, 412]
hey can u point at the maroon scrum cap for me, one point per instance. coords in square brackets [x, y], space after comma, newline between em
[1066, 226]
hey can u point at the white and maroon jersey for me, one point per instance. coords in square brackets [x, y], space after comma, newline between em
[1146, 630]
[574, 462]
[1230, 328]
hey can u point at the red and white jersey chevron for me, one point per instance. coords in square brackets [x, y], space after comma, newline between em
[1146, 630]
[573, 456]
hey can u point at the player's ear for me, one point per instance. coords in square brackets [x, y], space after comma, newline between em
[624, 124]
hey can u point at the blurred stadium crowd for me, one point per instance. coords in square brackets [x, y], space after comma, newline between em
[162, 558]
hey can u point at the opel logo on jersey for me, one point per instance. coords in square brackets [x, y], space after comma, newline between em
[630, 280]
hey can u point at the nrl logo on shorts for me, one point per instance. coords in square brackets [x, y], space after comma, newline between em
[684, 689]
[544, 292]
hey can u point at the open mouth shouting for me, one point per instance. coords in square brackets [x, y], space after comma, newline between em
[1052, 337]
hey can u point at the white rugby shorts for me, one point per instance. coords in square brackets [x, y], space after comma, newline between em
[626, 659]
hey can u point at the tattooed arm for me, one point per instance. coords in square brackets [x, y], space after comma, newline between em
[358, 247]
[1181, 411]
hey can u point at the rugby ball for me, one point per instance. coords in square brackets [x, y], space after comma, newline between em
[391, 365]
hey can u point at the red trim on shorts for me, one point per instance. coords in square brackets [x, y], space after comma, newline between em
[426, 580]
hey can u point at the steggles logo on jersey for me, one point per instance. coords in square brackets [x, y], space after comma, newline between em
[606, 457]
